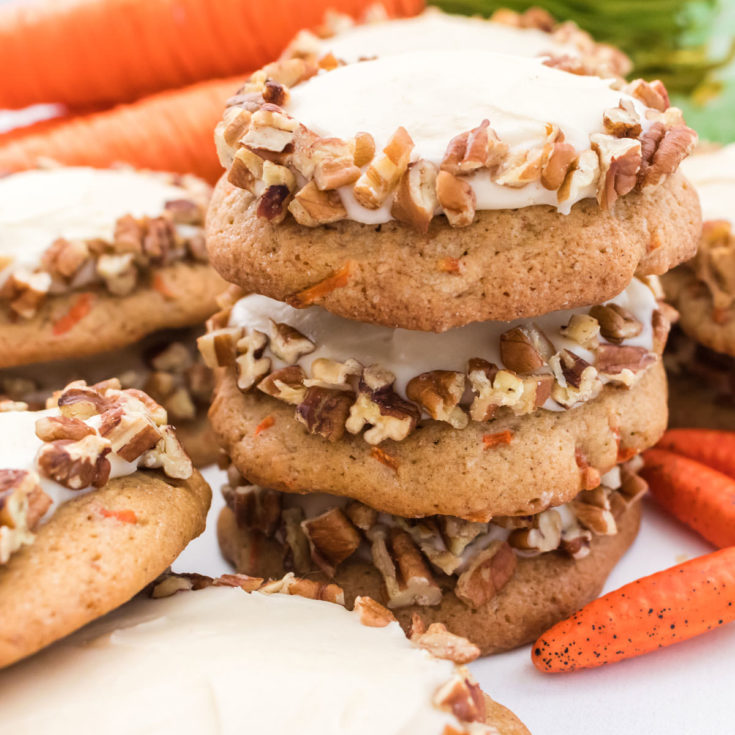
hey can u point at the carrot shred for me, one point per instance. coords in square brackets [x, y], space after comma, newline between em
[83, 53]
[124, 516]
[696, 494]
[494, 440]
[714, 448]
[449, 265]
[314, 293]
[387, 459]
[667, 607]
[160, 285]
[77, 311]
[266, 423]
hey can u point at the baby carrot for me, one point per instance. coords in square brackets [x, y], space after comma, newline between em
[714, 448]
[656, 611]
[90, 52]
[170, 131]
[697, 495]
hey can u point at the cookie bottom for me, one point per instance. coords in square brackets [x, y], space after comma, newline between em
[543, 590]
[85, 561]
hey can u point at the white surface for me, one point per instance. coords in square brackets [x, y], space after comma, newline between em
[685, 689]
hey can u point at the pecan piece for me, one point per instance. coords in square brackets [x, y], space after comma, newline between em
[474, 149]
[332, 538]
[286, 384]
[620, 161]
[250, 364]
[416, 200]
[130, 433]
[663, 150]
[372, 613]
[288, 344]
[486, 575]
[576, 379]
[169, 455]
[51, 428]
[525, 349]
[311, 207]
[218, 348]
[325, 411]
[461, 697]
[456, 198]
[622, 121]
[623, 363]
[554, 172]
[439, 392]
[255, 508]
[440, 643]
[582, 329]
[616, 322]
[544, 535]
[76, 465]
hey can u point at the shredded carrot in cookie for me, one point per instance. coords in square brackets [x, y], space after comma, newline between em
[314, 293]
[385, 458]
[625, 454]
[449, 265]
[266, 423]
[159, 283]
[77, 311]
[124, 516]
[494, 440]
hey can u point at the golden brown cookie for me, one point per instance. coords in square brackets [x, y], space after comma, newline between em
[86, 560]
[508, 264]
[542, 591]
[438, 469]
[97, 321]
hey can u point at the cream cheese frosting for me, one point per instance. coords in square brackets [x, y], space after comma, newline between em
[713, 175]
[438, 94]
[407, 353]
[19, 448]
[225, 661]
[436, 31]
[37, 207]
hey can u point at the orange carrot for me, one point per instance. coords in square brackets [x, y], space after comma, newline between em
[315, 293]
[655, 611]
[171, 131]
[124, 516]
[266, 423]
[387, 459]
[77, 311]
[82, 52]
[697, 495]
[494, 440]
[714, 448]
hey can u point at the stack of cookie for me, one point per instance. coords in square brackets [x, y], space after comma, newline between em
[91, 262]
[449, 358]
[701, 360]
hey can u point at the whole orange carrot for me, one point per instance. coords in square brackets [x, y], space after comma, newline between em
[714, 448]
[652, 612]
[170, 131]
[89, 52]
[697, 495]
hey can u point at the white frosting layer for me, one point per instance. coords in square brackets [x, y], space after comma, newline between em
[436, 95]
[713, 175]
[37, 207]
[436, 31]
[407, 353]
[20, 445]
[223, 661]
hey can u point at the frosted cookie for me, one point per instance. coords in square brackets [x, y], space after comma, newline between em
[533, 33]
[93, 260]
[416, 423]
[499, 584]
[166, 365]
[97, 498]
[433, 196]
[181, 664]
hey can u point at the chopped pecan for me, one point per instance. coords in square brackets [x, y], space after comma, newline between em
[582, 329]
[486, 575]
[29, 290]
[439, 392]
[525, 349]
[575, 541]
[325, 411]
[456, 198]
[525, 167]
[407, 579]
[331, 373]
[174, 358]
[594, 515]
[652, 94]
[22, 503]
[250, 364]
[554, 172]
[661, 322]
[389, 415]
[169, 455]
[51, 428]
[576, 379]
[372, 613]
[245, 170]
[616, 322]
[622, 121]
[218, 348]
[80, 401]
[270, 129]
[311, 207]
[461, 697]
[474, 149]
[255, 508]
[440, 643]
[309, 588]
[622, 363]
[286, 384]
[130, 433]
[544, 535]
[118, 273]
[620, 161]
[288, 344]
[385, 171]
[65, 257]
[416, 200]
[663, 150]
[334, 164]
[76, 464]
[493, 388]
[583, 172]
[362, 516]
[332, 538]
[364, 149]
[298, 554]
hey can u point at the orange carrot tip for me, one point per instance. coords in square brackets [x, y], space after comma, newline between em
[694, 493]
[714, 448]
[653, 612]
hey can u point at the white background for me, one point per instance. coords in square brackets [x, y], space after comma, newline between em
[687, 689]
